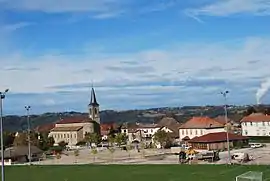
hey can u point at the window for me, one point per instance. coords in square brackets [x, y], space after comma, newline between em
[250, 123]
[71, 135]
[151, 131]
[190, 131]
[64, 135]
[183, 132]
[245, 123]
[67, 135]
[246, 132]
[196, 132]
[263, 123]
[186, 132]
[201, 132]
[74, 135]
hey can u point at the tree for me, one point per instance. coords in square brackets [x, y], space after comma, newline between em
[111, 140]
[94, 152]
[62, 144]
[45, 142]
[76, 154]
[22, 139]
[162, 138]
[58, 156]
[120, 138]
[129, 148]
[112, 150]
[8, 139]
[92, 138]
[249, 111]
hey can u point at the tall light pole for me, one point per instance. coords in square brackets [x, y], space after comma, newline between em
[224, 94]
[2, 96]
[28, 135]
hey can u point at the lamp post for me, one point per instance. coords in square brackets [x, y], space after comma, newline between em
[28, 134]
[224, 94]
[2, 96]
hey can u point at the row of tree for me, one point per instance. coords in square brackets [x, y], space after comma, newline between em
[43, 141]
[161, 137]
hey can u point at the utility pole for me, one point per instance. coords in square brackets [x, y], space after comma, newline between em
[28, 134]
[2, 96]
[224, 94]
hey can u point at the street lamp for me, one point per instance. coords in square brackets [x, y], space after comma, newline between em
[28, 135]
[224, 94]
[2, 96]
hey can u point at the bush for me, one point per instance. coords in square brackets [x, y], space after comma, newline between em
[56, 149]
[81, 143]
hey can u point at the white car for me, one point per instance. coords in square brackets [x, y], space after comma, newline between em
[256, 145]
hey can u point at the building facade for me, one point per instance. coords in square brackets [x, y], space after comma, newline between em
[256, 124]
[199, 126]
[73, 129]
[217, 141]
[139, 131]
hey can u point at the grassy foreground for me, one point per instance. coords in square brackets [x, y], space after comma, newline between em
[131, 172]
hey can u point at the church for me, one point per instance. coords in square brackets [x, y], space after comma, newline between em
[73, 129]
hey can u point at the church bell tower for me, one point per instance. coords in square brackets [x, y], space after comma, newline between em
[94, 107]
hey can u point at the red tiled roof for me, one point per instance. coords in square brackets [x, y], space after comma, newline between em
[202, 122]
[186, 138]
[256, 117]
[107, 126]
[102, 132]
[222, 120]
[45, 128]
[71, 120]
[216, 137]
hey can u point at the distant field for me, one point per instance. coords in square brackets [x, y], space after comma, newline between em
[130, 172]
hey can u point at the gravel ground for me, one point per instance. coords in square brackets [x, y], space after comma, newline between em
[260, 156]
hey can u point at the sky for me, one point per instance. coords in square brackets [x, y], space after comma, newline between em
[137, 54]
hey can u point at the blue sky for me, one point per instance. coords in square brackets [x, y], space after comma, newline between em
[138, 53]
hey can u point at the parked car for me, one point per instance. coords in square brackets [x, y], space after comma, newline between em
[255, 145]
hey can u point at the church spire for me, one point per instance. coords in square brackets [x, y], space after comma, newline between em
[93, 101]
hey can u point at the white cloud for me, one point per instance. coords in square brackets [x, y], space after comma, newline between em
[237, 63]
[231, 7]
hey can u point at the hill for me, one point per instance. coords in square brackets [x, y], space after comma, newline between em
[182, 114]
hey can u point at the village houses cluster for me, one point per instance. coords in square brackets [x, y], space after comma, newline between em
[201, 132]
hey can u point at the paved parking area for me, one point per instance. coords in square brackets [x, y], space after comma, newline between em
[260, 156]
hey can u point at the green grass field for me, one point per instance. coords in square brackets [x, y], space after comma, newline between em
[131, 172]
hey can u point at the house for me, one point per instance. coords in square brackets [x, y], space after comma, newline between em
[256, 124]
[217, 141]
[105, 129]
[73, 129]
[234, 127]
[199, 126]
[145, 131]
[140, 131]
[19, 154]
[45, 128]
[171, 126]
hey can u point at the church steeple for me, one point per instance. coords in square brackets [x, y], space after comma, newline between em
[94, 107]
[93, 100]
